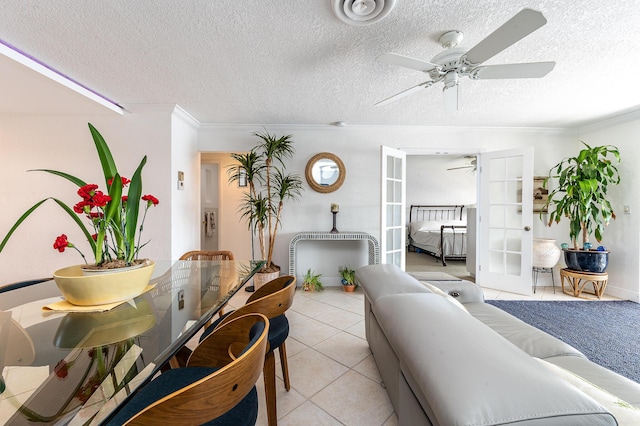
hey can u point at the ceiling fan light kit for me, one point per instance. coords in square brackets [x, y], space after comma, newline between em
[361, 12]
[450, 65]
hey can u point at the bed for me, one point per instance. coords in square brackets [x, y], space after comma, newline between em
[438, 230]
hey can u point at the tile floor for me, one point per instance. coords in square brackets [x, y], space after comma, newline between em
[334, 379]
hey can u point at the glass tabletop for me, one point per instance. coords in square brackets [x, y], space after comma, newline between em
[77, 368]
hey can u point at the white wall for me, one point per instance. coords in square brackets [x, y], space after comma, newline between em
[622, 236]
[359, 149]
[185, 203]
[429, 181]
[63, 142]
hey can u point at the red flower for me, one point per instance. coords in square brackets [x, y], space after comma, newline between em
[125, 181]
[61, 243]
[95, 237]
[150, 199]
[100, 200]
[96, 215]
[82, 207]
[124, 198]
[61, 369]
[87, 191]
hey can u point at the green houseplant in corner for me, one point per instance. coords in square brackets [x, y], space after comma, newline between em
[269, 186]
[111, 230]
[581, 197]
[348, 275]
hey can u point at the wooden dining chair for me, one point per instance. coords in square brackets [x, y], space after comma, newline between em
[207, 255]
[272, 300]
[217, 387]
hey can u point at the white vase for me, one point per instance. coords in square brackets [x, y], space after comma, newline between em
[545, 253]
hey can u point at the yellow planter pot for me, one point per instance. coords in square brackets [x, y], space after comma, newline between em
[100, 289]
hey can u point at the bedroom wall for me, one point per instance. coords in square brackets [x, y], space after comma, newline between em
[429, 181]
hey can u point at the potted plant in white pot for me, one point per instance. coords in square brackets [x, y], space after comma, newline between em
[581, 197]
[268, 188]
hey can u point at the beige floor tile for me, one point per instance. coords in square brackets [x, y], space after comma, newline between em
[308, 414]
[312, 332]
[309, 307]
[355, 390]
[367, 367]
[339, 318]
[310, 371]
[345, 348]
[286, 402]
[295, 318]
[356, 306]
[358, 330]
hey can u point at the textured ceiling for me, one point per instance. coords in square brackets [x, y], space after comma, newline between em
[294, 62]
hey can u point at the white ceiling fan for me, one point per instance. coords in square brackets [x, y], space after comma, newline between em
[456, 62]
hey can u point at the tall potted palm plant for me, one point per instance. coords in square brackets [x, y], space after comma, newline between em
[268, 188]
[581, 197]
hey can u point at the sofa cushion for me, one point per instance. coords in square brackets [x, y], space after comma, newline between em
[463, 291]
[384, 279]
[612, 382]
[532, 340]
[624, 412]
[462, 372]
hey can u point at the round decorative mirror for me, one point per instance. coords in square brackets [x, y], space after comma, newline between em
[325, 172]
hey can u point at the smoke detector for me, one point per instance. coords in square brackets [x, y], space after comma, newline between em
[361, 12]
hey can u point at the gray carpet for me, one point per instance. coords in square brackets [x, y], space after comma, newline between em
[607, 332]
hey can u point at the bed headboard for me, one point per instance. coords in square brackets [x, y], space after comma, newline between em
[421, 213]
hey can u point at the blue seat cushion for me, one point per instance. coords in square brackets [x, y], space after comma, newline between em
[278, 330]
[245, 413]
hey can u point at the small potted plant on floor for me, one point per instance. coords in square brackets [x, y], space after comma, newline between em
[311, 281]
[581, 197]
[348, 275]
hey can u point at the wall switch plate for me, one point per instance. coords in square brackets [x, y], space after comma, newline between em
[181, 299]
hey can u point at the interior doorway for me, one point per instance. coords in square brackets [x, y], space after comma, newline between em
[209, 206]
[441, 179]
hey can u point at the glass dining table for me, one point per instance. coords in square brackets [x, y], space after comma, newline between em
[78, 368]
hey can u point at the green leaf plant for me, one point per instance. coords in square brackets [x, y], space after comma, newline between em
[268, 188]
[581, 193]
[112, 217]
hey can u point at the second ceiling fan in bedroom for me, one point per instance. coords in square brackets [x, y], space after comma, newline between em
[455, 62]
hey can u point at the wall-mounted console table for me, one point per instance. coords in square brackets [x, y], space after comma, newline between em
[374, 247]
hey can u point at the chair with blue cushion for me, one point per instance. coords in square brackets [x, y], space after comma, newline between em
[271, 300]
[216, 388]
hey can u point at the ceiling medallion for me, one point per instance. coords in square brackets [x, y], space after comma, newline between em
[362, 12]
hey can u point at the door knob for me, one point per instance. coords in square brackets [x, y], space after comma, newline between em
[527, 228]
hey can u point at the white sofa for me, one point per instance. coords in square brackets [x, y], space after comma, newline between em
[447, 358]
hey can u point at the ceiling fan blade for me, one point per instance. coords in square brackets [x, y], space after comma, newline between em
[526, 70]
[461, 167]
[404, 93]
[451, 98]
[521, 25]
[406, 62]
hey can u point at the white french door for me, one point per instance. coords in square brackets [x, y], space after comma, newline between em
[393, 211]
[505, 220]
